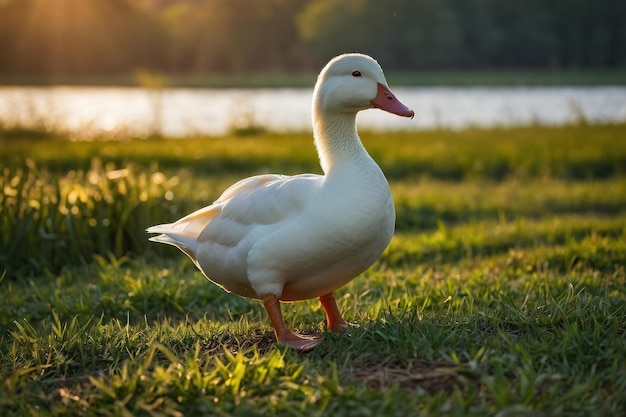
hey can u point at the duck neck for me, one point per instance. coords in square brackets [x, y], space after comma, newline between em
[336, 140]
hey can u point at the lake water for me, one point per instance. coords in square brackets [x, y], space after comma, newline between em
[85, 111]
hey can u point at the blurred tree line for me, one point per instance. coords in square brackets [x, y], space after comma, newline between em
[74, 37]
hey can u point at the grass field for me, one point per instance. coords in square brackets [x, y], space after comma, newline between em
[502, 293]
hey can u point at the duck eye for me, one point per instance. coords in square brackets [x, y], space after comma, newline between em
[356, 73]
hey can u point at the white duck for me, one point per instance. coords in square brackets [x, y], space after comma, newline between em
[287, 238]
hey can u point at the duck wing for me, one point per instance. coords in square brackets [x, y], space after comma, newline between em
[259, 200]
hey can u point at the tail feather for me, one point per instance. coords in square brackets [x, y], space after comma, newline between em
[184, 233]
[163, 238]
[160, 228]
[185, 241]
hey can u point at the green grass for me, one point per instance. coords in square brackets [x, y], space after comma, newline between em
[502, 293]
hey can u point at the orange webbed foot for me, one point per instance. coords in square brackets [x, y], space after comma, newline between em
[336, 322]
[285, 336]
[298, 342]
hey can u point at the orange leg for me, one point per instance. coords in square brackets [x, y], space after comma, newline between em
[336, 323]
[285, 336]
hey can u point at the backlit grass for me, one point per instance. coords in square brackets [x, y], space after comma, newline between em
[503, 291]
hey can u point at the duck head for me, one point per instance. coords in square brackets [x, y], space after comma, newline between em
[353, 82]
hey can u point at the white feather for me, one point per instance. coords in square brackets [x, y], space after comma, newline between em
[302, 236]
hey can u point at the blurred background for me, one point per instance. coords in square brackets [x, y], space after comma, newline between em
[165, 45]
[62, 38]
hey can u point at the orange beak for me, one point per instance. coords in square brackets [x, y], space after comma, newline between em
[385, 100]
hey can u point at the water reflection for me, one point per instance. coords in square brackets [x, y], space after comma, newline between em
[86, 111]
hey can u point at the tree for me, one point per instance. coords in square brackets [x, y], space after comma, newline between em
[73, 37]
[403, 33]
[68, 37]
[245, 36]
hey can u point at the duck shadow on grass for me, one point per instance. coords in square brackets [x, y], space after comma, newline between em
[377, 370]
